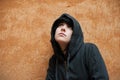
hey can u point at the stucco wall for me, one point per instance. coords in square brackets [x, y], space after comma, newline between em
[25, 34]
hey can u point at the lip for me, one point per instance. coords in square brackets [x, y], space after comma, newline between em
[62, 34]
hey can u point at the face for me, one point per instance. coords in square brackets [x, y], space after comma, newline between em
[63, 33]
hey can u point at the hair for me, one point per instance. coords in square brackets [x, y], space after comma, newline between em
[64, 20]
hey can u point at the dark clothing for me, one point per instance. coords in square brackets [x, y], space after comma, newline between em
[82, 60]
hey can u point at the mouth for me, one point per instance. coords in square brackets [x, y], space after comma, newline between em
[61, 34]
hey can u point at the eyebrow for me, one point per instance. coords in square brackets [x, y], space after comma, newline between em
[65, 23]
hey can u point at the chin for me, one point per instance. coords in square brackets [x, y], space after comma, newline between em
[60, 40]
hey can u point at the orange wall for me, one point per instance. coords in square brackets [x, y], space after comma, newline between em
[25, 34]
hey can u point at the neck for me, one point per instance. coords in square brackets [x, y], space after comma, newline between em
[63, 48]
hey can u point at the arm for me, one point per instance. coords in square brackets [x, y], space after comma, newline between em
[51, 69]
[95, 63]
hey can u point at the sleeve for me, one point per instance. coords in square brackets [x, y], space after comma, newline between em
[51, 69]
[95, 64]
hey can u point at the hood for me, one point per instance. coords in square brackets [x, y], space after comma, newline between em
[76, 39]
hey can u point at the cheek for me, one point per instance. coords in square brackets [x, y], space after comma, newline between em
[56, 32]
[70, 34]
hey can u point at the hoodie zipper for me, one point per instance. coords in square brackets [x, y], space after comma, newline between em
[66, 74]
[66, 67]
[66, 63]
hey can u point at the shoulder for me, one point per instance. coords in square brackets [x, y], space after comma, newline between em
[90, 47]
[52, 59]
[92, 50]
[93, 55]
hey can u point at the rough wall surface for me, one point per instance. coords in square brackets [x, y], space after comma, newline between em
[25, 34]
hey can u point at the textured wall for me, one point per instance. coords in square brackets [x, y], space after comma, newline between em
[25, 34]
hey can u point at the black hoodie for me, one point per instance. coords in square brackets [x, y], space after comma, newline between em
[83, 61]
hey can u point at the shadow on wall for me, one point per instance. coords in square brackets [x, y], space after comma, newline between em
[25, 34]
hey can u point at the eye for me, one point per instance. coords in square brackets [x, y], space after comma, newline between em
[70, 27]
[61, 24]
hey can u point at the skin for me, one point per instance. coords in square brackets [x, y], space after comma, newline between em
[63, 35]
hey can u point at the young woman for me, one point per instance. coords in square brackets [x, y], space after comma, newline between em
[73, 59]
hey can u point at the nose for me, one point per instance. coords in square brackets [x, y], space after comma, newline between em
[63, 29]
